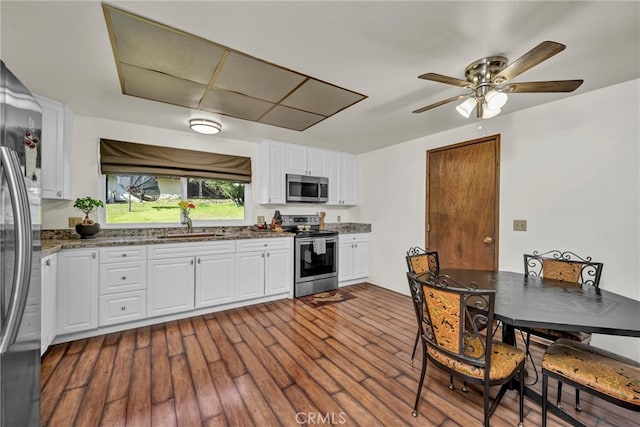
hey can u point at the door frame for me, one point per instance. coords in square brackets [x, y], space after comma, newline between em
[496, 213]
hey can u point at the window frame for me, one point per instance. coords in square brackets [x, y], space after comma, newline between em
[102, 213]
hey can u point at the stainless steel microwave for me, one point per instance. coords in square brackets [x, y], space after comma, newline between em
[307, 189]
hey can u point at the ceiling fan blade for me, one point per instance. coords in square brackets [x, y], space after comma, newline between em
[437, 104]
[542, 52]
[445, 79]
[548, 86]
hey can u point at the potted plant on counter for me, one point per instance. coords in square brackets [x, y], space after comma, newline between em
[88, 228]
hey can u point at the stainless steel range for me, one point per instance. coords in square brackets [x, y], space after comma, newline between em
[316, 255]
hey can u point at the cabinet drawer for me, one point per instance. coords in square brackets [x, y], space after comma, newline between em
[123, 253]
[123, 307]
[123, 277]
[251, 245]
[353, 238]
[172, 250]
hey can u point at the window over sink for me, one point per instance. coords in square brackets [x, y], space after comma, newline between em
[149, 199]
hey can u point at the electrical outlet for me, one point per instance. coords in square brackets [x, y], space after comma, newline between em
[74, 220]
[339, 218]
[519, 225]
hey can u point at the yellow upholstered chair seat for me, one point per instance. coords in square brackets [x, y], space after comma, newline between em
[504, 359]
[596, 369]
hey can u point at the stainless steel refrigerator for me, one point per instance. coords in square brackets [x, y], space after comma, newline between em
[20, 166]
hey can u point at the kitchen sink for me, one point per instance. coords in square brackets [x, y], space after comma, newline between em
[189, 235]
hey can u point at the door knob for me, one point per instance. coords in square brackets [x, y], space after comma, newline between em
[488, 240]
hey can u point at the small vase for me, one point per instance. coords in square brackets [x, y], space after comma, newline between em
[88, 231]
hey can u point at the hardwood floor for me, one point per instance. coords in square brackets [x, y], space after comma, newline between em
[280, 363]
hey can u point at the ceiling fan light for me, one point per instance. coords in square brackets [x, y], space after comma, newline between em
[496, 100]
[207, 127]
[466, 107]
[488, 112]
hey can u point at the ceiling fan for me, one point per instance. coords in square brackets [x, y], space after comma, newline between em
[488, 81]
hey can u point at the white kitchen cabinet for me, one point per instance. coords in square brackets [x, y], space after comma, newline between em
[123, 284]
[123, 307]
[49, 300]
[353, 257]
[57, 149]
[185, 276]
[301, 160]
[251, 274]
[272, 156]
[265, 267]
[77, 290]
[342, 171]
[171, 285]
[215, 279]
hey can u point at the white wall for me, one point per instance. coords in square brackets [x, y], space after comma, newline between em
[570, 168]
[87, 180]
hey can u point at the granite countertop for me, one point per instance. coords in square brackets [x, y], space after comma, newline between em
[56, 240]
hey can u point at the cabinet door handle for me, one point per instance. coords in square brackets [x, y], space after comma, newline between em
[48, 263]
[123, 308]
[198, 260]
[124, 255]
[124, 277]
[93, 255]
[59, 193]
[267, 254]
[191, 262]
[262, 254]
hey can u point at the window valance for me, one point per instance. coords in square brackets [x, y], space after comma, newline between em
[128, 157]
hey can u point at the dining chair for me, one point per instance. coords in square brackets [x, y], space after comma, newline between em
[567, 267]
[594, 370]
[450, 329]
[420, 261]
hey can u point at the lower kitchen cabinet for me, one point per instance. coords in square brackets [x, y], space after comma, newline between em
[170, 285]
[77, 290]
[215, 279]
[123, 307]
[264, 267]
[251, 274]
[353, 257]
[49, 300]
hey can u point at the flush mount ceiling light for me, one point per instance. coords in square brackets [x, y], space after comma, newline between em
[207, 127]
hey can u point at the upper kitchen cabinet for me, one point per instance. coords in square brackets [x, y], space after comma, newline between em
[342, 170]
[57, 140]
[300, 160]
[277, 159]
[272, 182]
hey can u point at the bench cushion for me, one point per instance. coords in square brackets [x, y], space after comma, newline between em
[595, 369]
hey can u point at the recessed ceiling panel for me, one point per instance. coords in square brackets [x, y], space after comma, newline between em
[290, 118]
[234, 104]
[164, 64]
[161, 87]
[322, 98]
[155, 47]
[259, 79]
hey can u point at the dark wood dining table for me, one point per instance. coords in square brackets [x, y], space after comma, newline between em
[531, 301]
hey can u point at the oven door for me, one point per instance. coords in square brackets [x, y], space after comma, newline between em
[312, 265]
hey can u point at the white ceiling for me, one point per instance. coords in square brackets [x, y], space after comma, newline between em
[61, 50]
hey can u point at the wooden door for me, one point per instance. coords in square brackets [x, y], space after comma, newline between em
[463, 203]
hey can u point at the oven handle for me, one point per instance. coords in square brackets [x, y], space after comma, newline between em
[311, 239]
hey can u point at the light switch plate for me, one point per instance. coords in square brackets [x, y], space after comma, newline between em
[519, 225]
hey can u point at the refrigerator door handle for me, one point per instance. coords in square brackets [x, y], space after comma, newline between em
[24, 244]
